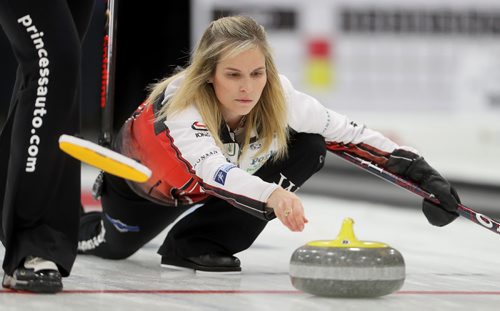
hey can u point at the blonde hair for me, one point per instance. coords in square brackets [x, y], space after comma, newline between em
[226, 37]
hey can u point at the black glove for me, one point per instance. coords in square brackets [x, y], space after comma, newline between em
[410, 165]
[438, 216]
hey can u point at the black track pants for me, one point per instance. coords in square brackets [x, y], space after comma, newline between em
[131, 221]
[39, 185]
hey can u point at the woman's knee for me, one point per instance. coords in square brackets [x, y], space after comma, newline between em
[309, 147]
[112, 250]
[97, 239]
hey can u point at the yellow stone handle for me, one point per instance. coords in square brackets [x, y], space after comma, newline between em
[347, 239]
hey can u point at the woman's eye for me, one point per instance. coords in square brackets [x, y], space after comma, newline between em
[258, 74]
[233, 75]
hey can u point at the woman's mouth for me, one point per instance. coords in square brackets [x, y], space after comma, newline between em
[244, 101]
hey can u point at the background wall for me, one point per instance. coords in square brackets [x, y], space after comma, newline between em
[425, 73]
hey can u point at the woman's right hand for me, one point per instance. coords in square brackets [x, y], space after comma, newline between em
[288, 209]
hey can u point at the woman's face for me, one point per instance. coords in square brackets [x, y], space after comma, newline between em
[238, 83]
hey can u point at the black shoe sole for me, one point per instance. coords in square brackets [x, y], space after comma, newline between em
[40, 285]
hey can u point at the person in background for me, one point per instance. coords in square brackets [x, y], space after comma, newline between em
[229, 140]
[40, 185]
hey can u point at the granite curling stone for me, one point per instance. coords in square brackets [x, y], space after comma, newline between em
[347, 267]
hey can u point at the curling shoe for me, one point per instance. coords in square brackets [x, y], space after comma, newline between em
[36, 275]
[212, 263]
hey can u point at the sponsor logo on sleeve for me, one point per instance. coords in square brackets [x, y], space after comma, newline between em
[221, 174]
[202, 134]
[199, 126]
[201, 130]
[204, 157]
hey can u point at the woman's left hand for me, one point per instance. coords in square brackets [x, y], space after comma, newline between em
[288, 209]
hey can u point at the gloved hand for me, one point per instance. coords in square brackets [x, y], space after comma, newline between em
[410, 165]
[438, 216]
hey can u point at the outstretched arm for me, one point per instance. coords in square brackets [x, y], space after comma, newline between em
[410, 165]
[306, 114]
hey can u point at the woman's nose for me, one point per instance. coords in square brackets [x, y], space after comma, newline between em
[246, 85]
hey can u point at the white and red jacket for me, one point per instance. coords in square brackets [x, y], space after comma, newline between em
[188, 166]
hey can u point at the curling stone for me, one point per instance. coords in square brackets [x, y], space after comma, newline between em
[347, 267]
